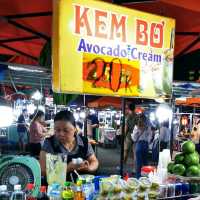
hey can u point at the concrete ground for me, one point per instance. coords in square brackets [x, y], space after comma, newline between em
[109, 160]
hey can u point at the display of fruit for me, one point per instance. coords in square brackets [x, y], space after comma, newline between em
[186, 163]
[188, 147]
[178, 169]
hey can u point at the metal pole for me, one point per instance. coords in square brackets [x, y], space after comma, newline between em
[171, 126]
[122, 138]
[86, 114]
[25, 28]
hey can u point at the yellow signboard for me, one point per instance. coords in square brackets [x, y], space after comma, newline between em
[105, 49]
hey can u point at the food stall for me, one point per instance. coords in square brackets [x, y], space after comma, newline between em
[110, 62]
[186, 124]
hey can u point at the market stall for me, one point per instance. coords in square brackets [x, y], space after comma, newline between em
[115, 64]
[186, 124]
[108, 74]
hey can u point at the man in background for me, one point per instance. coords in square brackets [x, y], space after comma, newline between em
[164, 136]
[92, 126]
[22, 130]
[129, 126]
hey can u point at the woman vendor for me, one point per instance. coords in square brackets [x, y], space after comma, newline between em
[66, 141]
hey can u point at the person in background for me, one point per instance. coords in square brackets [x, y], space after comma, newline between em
[38, 132]
[198, 126]
[164, 136]
[129, 126]
[141, 136]
[79, 127]
[92, 127]
[22, 129]
[155, 145]
[66, 141]
[196, 136]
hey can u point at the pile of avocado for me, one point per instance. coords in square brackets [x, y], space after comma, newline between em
[186, 163]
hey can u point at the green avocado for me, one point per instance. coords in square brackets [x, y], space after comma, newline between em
[198, 166]
[193, 171]
[178, 169]
[170, 167]
[179, 158]
[191, 159]
[188, 147]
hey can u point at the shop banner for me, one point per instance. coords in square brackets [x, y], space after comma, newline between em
[105, 49]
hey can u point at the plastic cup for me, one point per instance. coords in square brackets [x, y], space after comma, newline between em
[96, 181]
[194, 187]
[56, 168]
[178, 189]
[163, 191]
[171, 190]
[185, 188]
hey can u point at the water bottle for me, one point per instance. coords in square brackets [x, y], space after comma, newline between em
[78, 195]
[18, 194]
[54, 191]
[4, 194]
[88, 190]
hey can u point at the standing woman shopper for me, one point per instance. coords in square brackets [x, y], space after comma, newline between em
[130, 123]
[141, 136]
[37, 133]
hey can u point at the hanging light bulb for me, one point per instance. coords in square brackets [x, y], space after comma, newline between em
[6, 116]
[163, 113]
[37, 96]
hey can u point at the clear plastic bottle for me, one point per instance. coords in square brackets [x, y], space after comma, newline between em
[4, 194]
[88, 189]
[78, 195]
[18, 194]
[54, 192]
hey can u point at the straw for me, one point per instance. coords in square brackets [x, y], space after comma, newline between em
[77, 174]
[72, 178]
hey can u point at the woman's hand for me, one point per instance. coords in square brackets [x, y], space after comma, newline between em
[84, 166]
[89, 165]
[71, 167]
